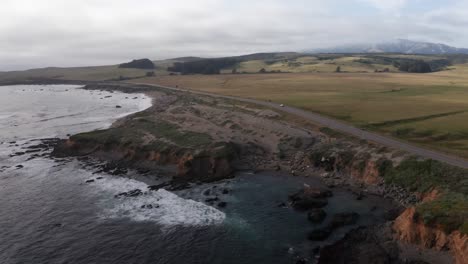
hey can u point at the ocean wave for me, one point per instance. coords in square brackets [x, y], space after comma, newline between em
[162, 207]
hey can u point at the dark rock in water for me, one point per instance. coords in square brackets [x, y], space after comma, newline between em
[142, 171]
[19, 166]
[17, 154]
[282, 205]
[207, 192]
[119, 171]
[58, 225]
[344, 219]
[83, 158]
[149, 206]
[319, 234]
[363, 245]
[132, 193]
[211, 200]
[177, 186]
[360, 196]
[309, 198]
[118, 106]
[32, 150]
[225, 191]
[99, 178]
[309, 203]
[316, 250]
[89, 181]
[222, 204]
[317, 215]
[157, 187]
[302, 261]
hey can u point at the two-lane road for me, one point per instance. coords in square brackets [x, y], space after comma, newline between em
[343, 127]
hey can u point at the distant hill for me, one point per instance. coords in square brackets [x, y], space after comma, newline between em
[216, 65]
[138, 64]
[402, 46]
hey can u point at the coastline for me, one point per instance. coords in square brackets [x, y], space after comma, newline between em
[360, 174]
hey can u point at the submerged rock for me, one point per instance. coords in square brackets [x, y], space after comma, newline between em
[344, 219]
[309, 198]
[309, 203]
[363, 245]
[311, 192]
[320, 234]
[132, 193]
[211, 200]
[317, 215]
[282, 205]
[157, 187]
[302, 261]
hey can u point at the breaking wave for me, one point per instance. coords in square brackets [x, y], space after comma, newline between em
[162, 207]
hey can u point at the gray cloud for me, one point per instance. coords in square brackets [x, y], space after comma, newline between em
[39, 33]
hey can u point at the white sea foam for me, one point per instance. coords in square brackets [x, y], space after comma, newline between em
[168, 209]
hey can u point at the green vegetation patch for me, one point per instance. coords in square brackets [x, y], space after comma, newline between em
[423, 175]
[172, 133]
[108, 137]
[449, 212]
[134, 132]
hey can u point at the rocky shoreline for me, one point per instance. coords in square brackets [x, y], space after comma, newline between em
[231, 136]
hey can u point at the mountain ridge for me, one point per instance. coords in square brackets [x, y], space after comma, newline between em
[403, 46]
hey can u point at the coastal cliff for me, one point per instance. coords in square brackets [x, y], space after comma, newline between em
[410, 228]
[206, 163]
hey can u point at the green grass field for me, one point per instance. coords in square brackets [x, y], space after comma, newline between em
[427, 109]
[313, 64]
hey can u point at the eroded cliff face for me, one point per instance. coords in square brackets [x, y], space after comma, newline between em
[459, 247]
[410, 228]
[366, 172]
[209, 163]
[208, 167]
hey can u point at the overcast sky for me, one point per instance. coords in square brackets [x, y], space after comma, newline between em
[40, 33]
